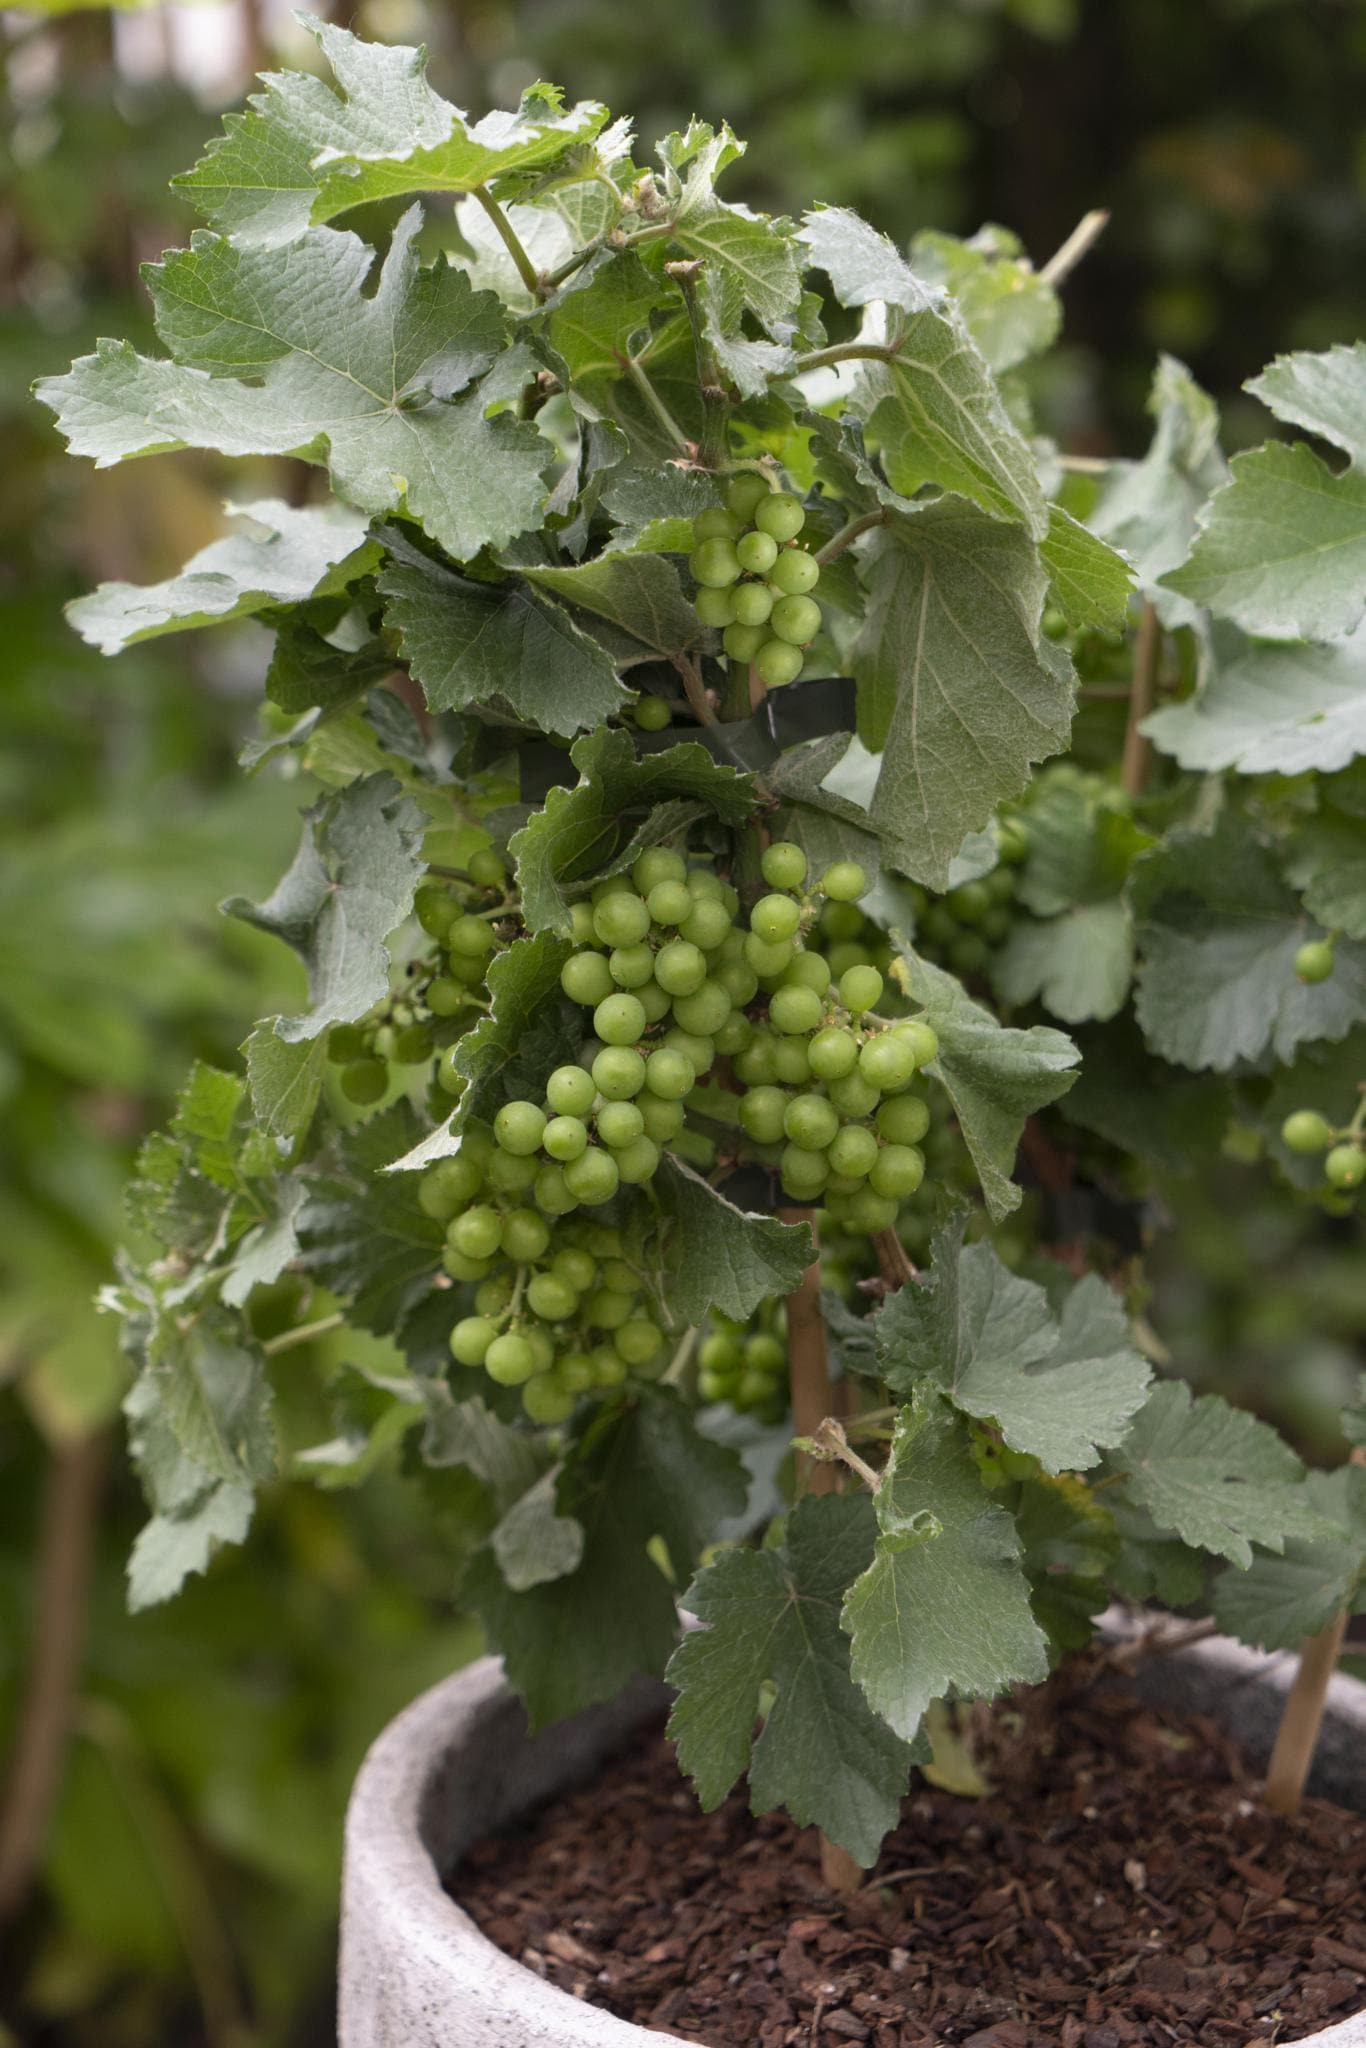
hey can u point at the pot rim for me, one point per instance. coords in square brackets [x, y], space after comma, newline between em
[397, 1913]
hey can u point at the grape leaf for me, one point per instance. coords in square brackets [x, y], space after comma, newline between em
[285, 1077]
[1217, 933]
[956, 683]
[1278, 1601]
[199, 1413]
[1059, 1387]
[351, 883]
[470, 643]
[621, 803]
[378, 387]
[641, 1471]
[929, 400]
[653, 509]
[994, 1076]
[945, 1603]
[591, 323]
[306, 152]
[267, 1248]
[174, 1546]
[290, 554]
[1272, 711]
[1148, 509]
[773, 1619]
[1070, 1548]
[1011, 312]
[827, 825]
[1325, 1078]
[639, 594]
[1326, 861]
[533, 1542]
[1078, 965]
[752, 254]
[364, 1235]
[718, 1256]
[1091, 582]
[1320, 391]
[1213, 1475]
[1141, 1104]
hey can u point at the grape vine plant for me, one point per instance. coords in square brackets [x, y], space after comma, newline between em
[762, 788]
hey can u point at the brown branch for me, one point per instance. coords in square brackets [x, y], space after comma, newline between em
[694, 689]
[893, 1263]
[66, 1543]
[1133, 773]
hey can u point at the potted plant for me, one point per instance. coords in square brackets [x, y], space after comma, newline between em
[742, 740]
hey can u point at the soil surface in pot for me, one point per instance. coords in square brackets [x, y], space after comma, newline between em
[1117, 1885]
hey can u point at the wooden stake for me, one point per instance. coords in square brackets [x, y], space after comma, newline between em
[1133, 770]
[1298, 1733]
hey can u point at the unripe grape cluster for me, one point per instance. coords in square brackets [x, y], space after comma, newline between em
[1308, 1132]
[745, 1364]
[754, 582]
[961, 929]
[445, 988]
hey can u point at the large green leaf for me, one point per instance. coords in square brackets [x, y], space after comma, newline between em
[1061, 1387]
[351, 884]
[283, 352]
[931, 404]
[290, 553]
[1011, 312]
[718, 1256]
[752, 255]
[174, 1546]
[945, 1603]
[364, 1234]
[1217, 931]
[1148, 509]
[476, 643]
[1091, 582]
[1279, 1600]
[306, 152]
[1272, 711]
[772, 1618]
[994, 1076]
[638, 594]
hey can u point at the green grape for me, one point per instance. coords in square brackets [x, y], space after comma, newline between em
[705, 1011]
[510, 1359]
[765, 1353]
[804, 1172]
[706, 883]
[472, 937]
[462, 1268]
[779, 515]
[619, 1019]
[720, 1353]
[791, 1061]
[767, 957]
[680, 967]
[1345, 1166]
[471, 1338]
[761, 1114]
[577, 1268]
[413, 1045]
[574, 1372]
[607, 1308]
[922, 1039]
[897, 1172]
[696, 1049]
[744, 493]
[638, 1340]
[1306, 1131]
[546, 1401]
[446, 1187]
[777, 664]
[811, 1122]
[968, 953]
[637, 1162]
[715, 524]
[365, 1081]
[434, 910]
[570, 1092]
[734, 1035]
[618, 1123]
[753, 602]
[752, 1390]
[478, 1233]
[493, 1296]
[631, 966]
[445, 996]
[844, 882]
[887, 1062]
[1000, 886]
[581, 924]
[549, 1298]
[565, 1137]
[609, 1367]
[621, 920]
[833, 1053]
[995, 926]
[904, 1120]
[346, 1043]
[618, 1072]
[757, 552]
[783, 865]
[525, 1236]
[969, 902]
[487, 868]
[657, 864]
[739, 981]
[794, 1010]
[511, 1173]
[654, 1001]
[712, 1387]
[870, 1211]
[706, 926]
[754, 1066]
[519, 1128]
[669, 1073]
[796, 620]
[542, 1346]
[808, 970]
[860, 989]
[669, 902]
[586, 979]
[853, 1151]
[1012, 840]
[1314, 962]
[716, 607]
[620, 1273]
[775, 918]
[795, 572]
[715, 564]
[742, 643]
[593, 1177]
[663, 1119]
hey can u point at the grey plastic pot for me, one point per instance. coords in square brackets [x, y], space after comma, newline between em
[417, 1973]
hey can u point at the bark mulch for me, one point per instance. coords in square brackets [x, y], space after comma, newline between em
[1119, 1885]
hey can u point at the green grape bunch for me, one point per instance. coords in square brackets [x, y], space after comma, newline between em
[964, 927]
[1343, 1149]
[754, 581]
[745, 1364]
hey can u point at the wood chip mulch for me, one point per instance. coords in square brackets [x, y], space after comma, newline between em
[1119, 1885]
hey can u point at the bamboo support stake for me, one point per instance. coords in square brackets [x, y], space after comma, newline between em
[1133, 771]
[1298, 1734]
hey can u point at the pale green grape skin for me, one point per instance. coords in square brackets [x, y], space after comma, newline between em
[757, 551]
[519, 1128]
[795, 572]
[1306, 1131]
[462, 1268]
[525, 1235]
[1314, 962]
[746, 490]
[471, 1338]
[565, 1137]
[715, 564]
[791, 1061]
[546, 1401]
[680, 967]
[734, 1035]
[844, 881]
[860, 989]
[669, 902]
[804, 1172]
[765, 1353]
[478, 1233]
[592, 1178]
[621, 920]
[472, 937]
[887, 1062]
[570, 1092]
[871, 1211]
[778, 663]
[775, 918]
[631, 967]
[655, 1001]
[510, 1360]
[853, 1151]
[638, 1340]
[833, 1053]
[550, 1298]
[609, 1307]
[753, 602]
[1345, 1166]
[446, 1187]
[637, 1162]
[619, 1020]
[767, 957]
[897, 1172]
[663, 1119]
[796, 620]
[669, 1074]
[904, 1120]
[739, 981]
[619, 1123]
[581, 924]
[651, 713]
[762, 1110]
[657, 864]
[742, 643]
[705, 1011]
[705, 927]
[586, 979]
[609, 1367]
[550, 1194]
[808, 970]
[715, 607]
[811, 1122]
[574, 1371]
[780, 516]
[794, 1010]
[783, 865]
[698, 1050]
[508, 1173]
[578, 1269]
[715, 524]
[922, 1039]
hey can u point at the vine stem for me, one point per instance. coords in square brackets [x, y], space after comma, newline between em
[290, 1340]
[1133, 772]
[510, 239]
[694, 689]
[1079, 243]
[635, 370]
[848, 534]
[844, 352]
[715, 408]
[1298, 1734]
[66, 1542]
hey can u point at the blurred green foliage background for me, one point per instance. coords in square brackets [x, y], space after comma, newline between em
[180, 1888]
